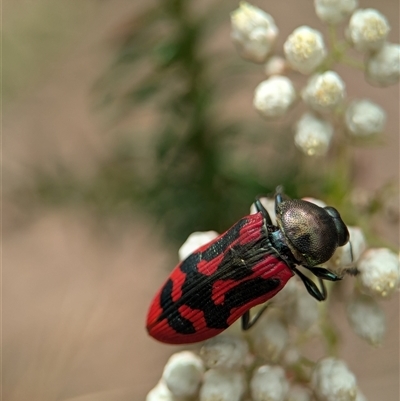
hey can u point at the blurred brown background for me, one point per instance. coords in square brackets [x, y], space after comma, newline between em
[75, 292]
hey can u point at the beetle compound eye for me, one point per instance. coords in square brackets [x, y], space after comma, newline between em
[341, 228]
[310, 231]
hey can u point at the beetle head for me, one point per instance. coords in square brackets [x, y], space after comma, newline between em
[312, 233]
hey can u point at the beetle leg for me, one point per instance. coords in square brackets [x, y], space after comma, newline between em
[325, 274]
[247, 323]
[312, 289]
[260, 208]
[351, 252]
[278, 200]
[324, 292]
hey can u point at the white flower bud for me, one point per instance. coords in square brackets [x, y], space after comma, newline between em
[303, 312]
[368, 29]
[324, 92]
[222, 385]
[269, 205]
[253, 32]
[270, 337]
[346, 256]
[364, 118]
[367, 319]
[383, 67]
[288, 294]
[332, 381]
[298, 393]
[195, 241]
[305, 49]
[334, 11]
[317, 202]
[379, 272]
[360, 396]
[269, 384]
[160, 393]
[275, 65]
[298, 307]
[291, 356]
[273, 97]
[313, 135]
[183, 373]
[224, 351]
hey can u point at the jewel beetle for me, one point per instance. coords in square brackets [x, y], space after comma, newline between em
[246, 266]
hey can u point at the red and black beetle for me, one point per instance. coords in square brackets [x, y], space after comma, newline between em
[246, 266]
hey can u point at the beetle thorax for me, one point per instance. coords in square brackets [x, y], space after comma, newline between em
[309, 231]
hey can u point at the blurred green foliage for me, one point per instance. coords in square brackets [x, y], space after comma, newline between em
[32, 38]
[204, 164]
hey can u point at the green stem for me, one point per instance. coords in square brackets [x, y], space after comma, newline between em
[328, 330]
[353, 63]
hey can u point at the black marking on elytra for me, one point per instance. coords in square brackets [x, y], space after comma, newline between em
[176, 321]
[197, 288]
[216, 249]
[217, 315]
[224, 241]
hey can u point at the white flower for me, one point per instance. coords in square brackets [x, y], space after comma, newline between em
[269, 205]
[347, 256]
[269, 384]
[332, 381]
[313, 135]
[364, 118]
[288, 294]
[253, 32]
[379, 272]
[195, 241]
[270, 337]
[334, 11]
[273, 97]
[222, 385]
[383, 67]
[305, 49]
[317, 202]
[183, 373]
[303, 312]
[298, 307]
[291, 356]
[368, 29]
[224, 351]
[298, 393]
[367, 319]
[275, 65]
[324, 91]
[360, 396]
[160, 393]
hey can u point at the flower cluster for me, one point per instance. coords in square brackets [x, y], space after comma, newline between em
[267, 363]
[227, 370]
[377, 273]
[254, 34]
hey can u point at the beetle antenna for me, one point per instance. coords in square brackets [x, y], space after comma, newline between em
[353, 271]
[351, 252]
